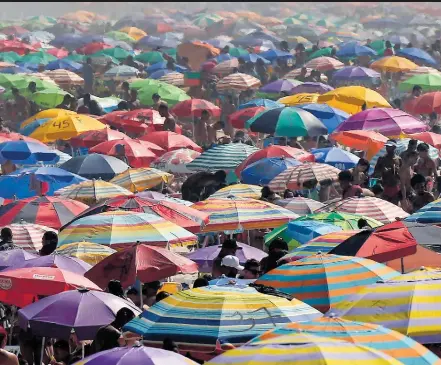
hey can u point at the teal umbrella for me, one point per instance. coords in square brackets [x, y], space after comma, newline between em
[80, 58]
[321, 53]
[238, 52]
[150, 57]
[11, 57]
[38, 58]
[117, 53]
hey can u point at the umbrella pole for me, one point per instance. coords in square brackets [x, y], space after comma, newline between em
[248, 237]
[140, 297]
[43, 341]
[82, 350]
[402, 265]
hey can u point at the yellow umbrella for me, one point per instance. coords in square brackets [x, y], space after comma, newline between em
[134, 32]
[394, 64]
[297, 99]
[351, 98]
[137, 180]
[48, 113]
[66, 127]
[92, 253]
[239, 190]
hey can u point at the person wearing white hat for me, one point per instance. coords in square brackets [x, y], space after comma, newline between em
[230, 266]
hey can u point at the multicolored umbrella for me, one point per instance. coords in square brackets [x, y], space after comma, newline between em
[393, 64]
[28, 236]
[136, 180]
[110, 228]
[237, 82]
[344, 220]
[318, 280]
[330, 117]
[91, 253]
[324, 64]
[300, 205]
[237, 190]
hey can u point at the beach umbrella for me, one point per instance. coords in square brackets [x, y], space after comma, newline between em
[175, 161]
[354, 74]
[351, 98]
[65, 78]
[26, 131]
[144, 228]
[353, 49]
[173, 78]
[140, 179]
[11, 56]
[295, 177]
[92, 48]
[24, 152]
[419, 71]
[393, 64]
[136, 121]
[193, 108]
[49, 98]
[279, 86]
[393, 343]
[237, 82]
[14, 257]
[369, 141]
[47, 211]
[64, 65]
[162, 66]
[221, 157]
[19, 48]
[150, 57]
[233, 213]
[299, 99]
[140, 262]
[313, 279]
[330, 117]
[266, 103]
[91, 253]
[346, 221]
[417, 55]
[430, 138]
[287, 122]
[121, 73]
[397, 39]
[58, 52]
[169, 93]
[311, 88]
[324, 64]
[426, 103]
[95, 166]
[212, 331]
[375, 208]
[39, 58]
[236, 190]
[117, 52]
[61, 313]
[240, 117]
[64, 263]
[120, 36]
[28, 236]
[336, 157]
[48, 113]
[205, 257]
[323, 52]
[273, 54]
[133, 32]
[299, 205]
[92, 138]
[253, 57]
[428, 82]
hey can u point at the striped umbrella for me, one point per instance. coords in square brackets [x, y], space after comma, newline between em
[236, 214]
[304, 349]
[222, 157]
[237, 82]
[141, 179]
[343, 220]
[175, 161]
[45, 210]
[65, 78]
[295, 177]
[28, 236]
[324, 64]
[92, 191]
[419, 71]
[320, 244]
[372, 207]
[393, 343]
[226, 67]
[111, 229]
[300, 205]
[212, 319]
[407, 304]
[323, 280]
[173, 78]
[123, 72]
[238, 190]
[91, 253]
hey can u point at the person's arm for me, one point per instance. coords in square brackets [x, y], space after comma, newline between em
[378, 168]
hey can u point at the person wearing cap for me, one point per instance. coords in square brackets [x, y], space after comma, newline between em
[230, 266]
[387, 168]
[229, 247]
[251, 270]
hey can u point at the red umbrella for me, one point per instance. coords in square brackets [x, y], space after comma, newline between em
[14, 30]
[276, 151]
[58, 52]
[92, 138]
[16, 46]
[137, 154]
[21, 287]
[430, 138]
[93, 47]
[240, 117]
[186, 217]
[425, 104]
[158, 151]
[136, 121]
[171, 141]
[143, 262]
[194, 107]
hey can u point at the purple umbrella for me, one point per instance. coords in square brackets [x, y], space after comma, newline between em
[14, 258]
[355, 73]
[83, 310]
[312, 87]
[62, 262]
[278, 86]
[204, 257]
[387, 121]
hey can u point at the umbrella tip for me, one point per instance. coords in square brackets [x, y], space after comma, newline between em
[137, 344]
[83, 290]
[422, 268]
[332, 315]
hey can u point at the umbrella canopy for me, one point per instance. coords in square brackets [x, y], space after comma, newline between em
[136, 180]
[314, 280]
[240, 117]
[121, 73]
[260, 102]
[92, 138]
[24, 152]
[22, 287]
[28, 236]
[48, 211]
[175, 161]
[299, 99]
[91, 253]
[355, 74]
[330, 117]
[232, 213]
[311, 88]
[324, 64]
[64, 65]
[336, 157]
[64, 263]
[300, 205]
[136, 121]
[417, 55]
[428, 82]
[369, 141]
[238, 190]
[14, 258]
[217, 328]
[58, 314]
[171, 141]
[278, 86]
[193, 108]
[393, 64]
[343, 220]
[430, 138]
[287, 122]
[144, 228]
[143, 262]
[426, 103]
[353, 49]
[237, 82]
[95, 166]
[65, 78]
[48, 113]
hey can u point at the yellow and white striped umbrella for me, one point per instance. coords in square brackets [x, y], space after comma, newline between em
[238, 190]
[92, 253]
[141, 179]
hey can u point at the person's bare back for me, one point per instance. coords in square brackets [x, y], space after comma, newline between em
[8, 358]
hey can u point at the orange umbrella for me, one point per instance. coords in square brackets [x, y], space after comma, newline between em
[197, 53]
[250, 15]
[369, 141]
[429, 137]
[394, 64]
[134, 32]
[270, 20]
[226, 14]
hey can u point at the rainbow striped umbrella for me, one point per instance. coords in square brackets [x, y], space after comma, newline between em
[214, 319]
[120, 228]
[324, 280]
[343, 220]
[91, 253]
[92, 191]
[304, 349]
[141, 179]
[408, 304]
[393, 343]
[238, 190]
[321, 244]
[237, 214]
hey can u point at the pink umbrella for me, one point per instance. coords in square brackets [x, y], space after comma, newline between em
[324, 64]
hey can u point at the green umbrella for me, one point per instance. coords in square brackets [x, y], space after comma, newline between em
[80, 58]
[145, 83]
[169, 93]
[41, 84]
[238, 52]
[271, 96]
[346, 221]
[150, 57]
[117, 53]
[49, 98]
[172, 52]
[9, 81]
[38, 58]
[320, 53]
[120, 36]
[292, 21]
[205, 20]
[42, 19]
[11, 57]
[8, 94]
[378, 45]
[428, 82]
[281, 232]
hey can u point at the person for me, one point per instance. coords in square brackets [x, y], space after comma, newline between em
[288, 194]
[65, 104]
[276, 250]
[149, 292]
[436, 129]
[302, 76]
[425, 165]
[229, 247]
[33, 107]
[161, 295]
[169, 121]
[406, 172]
[360, 173]
[123, 106]
[88, 75]
[433, 119]
[130, 62]
[21, 104]
[346, 183]
[300, 55]
[133, 102]
[95, 108]
[422, 196]
[378, 190]
[6, 242]
[157, 101]
[50, 243]
[133, 295]
[170, 345]
[387, 169]
[363, 224]
[416, 93]
[59, 353]
[6, 357]
[84, 109]
[389, 51]
[120, 150]
[125, 91]
[251, 269]
[230, 266]
[200, 185]
[200, 282]
[411, 147]
[268, 195]
[114, 287]
[228, 108]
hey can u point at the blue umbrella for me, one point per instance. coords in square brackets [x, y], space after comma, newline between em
[336, 157]
[28, 153]
[417, 55]
[158, 74]
[163, 65]
[16, 70]
[150, 41]
[267, 103]
[223, 57]
[304, 231]
[426, 217]
[353, 49]
[64, 64]
[263, 171]
[252, 57]
[29, 66]
[26, 131]
[274, 54]
[330, 117]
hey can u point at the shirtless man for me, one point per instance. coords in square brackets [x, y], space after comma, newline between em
[406, 174]
[426, 166]
[6, 357]
[422, 197]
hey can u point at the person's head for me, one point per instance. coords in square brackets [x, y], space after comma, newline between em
[391, 146]
[129, 58]
[200, 282]
[3, 337]
[397, 103]
[397, 46]
[170, 345]
[288, 194]
[49, 238]
[241, 61]
[277, 245]
[32, 87]
[133, 295]
[151, 289]
[230, 266]
[163, 110]
[266, 192]
[417, 90]
[123, 316]
[377, 189]
[162, 295]
[251, 269]
[412, 146]
[89, 60]
[66, 99]
[125, 86]
[345, 179]
[363, 165]
[15, 91]
[220, 176]
[363, 223]
[114, 287]
[303, 71]
[6, 234]
[418, 183]
[387, 44]
[229, 247]
[61, 350]
[423, 150]
[156, 98]
[205, 115]
[133, 94]
[107, 338]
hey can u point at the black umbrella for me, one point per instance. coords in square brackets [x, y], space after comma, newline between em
[95, 166]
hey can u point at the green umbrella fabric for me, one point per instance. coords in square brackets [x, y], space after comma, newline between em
[205, 20]
[428, 82]
[76, 58]
[172, 52]
[117, 52]
[120, 36]
[378, 46]
[40, 84]
[281, 232]
[292, 21]
[169, 93]
[49, 98]
[320, 53]
[344, 220]
[11, 57]
[9, 81]
[38, 58]
[145, 83]
[150, 57]
[238, 52]
[42, 19]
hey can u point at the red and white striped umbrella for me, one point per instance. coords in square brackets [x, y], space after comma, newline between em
[173, 78]
[27, 236]
[238, 82]
[295, 177]
[226, 67]
[43, 76]
[296, 72]
[175, 161]
[65, 78]
[371, 207]
[324, 64]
